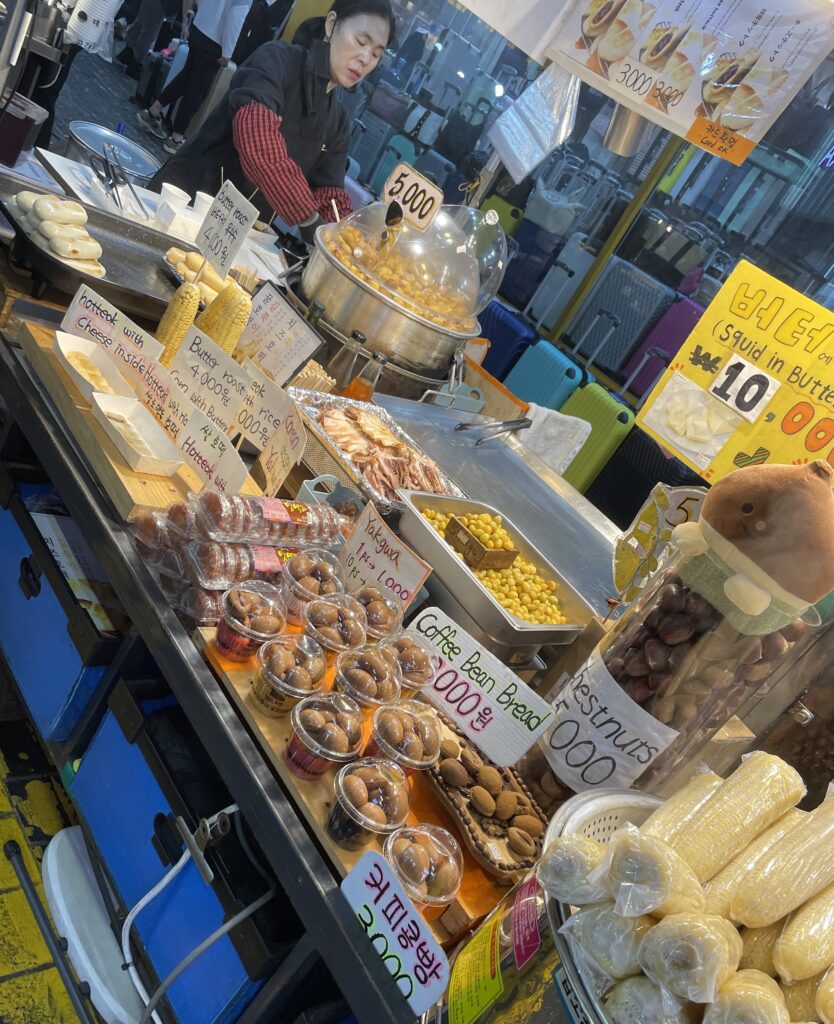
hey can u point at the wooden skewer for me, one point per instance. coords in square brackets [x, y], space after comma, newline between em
[335, 210]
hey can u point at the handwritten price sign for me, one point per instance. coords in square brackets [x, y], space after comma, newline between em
[91, 316]
[276, 337]
[753, 383]
[284, 449]
[500, 714]
[210, 453]
[374, 556]
[397, 933]
[419, 198]
[213, 381]
[225, 228]
[260, 415]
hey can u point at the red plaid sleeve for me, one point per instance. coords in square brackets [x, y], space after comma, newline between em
[263, 156]
[325, 196]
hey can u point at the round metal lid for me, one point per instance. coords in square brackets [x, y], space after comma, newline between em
[133, 157]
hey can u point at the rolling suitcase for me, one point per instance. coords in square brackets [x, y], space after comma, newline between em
[509, 336]
[509, 217]
[154, 71]
[668, 334]
[399, 150]
[636, 299]
[632, 471]
[560, 282]
[370, 137]
[610, 422]
[544, 375]
[435, 167]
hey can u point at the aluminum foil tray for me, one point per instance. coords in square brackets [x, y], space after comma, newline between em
[323, 456]
[468, 590]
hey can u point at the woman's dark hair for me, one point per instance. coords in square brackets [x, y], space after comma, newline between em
[313, 28]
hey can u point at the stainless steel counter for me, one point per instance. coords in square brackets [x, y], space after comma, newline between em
[568, 530]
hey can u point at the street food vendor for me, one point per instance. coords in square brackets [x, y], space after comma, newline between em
[280, 133]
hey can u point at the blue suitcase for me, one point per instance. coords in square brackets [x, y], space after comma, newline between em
[509, 337]
[399, 150]
[435, 167]
[545, 375]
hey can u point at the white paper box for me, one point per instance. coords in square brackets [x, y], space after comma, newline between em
[66, 343]
[166, 459]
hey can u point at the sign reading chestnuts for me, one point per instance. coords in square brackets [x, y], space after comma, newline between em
[495, 709]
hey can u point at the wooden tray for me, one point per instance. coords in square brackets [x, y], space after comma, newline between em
[479, 893]
[129, 491]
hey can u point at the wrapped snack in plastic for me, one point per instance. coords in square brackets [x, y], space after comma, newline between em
[566, 869]
[197, 607]
[749, 997]
[608, 938]
[759, 944]
[675, 814]
[801, 997]
[824, 1002]
[794, 870]
[758, 792]
[720, 889]
[805, 946]
[639, 1001]
[691, 955]
[270, 521]
[645, 876]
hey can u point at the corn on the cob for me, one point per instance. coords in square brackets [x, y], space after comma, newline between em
[177, 318]
[691, 955]
[609, 939]
[758, 792]
[806, 945]
[824, 1003]
[719, 889]
[794, 870]
[800, 998]
[758, 948]
[645, 876]
[673, 815]
[749, 997]
[224, 319]
[566, 867]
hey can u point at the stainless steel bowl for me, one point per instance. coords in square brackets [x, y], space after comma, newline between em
[86, 141]
[350, 304]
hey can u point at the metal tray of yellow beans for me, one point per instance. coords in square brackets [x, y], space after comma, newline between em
[464, 586]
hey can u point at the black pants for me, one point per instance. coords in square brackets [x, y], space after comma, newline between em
[194, 81]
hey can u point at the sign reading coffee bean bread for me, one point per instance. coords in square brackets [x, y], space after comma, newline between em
[492, 706]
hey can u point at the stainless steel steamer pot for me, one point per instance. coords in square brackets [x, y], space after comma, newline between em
[350, 304]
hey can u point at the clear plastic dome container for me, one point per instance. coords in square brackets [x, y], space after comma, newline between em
[446, 274]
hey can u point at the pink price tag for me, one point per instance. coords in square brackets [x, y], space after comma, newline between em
[275, 510]
[527, 938]
[266, 560]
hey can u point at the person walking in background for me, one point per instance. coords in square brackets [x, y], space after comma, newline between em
[141, 35]
[211, 44]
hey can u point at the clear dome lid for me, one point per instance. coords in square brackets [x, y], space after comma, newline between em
[446, 274]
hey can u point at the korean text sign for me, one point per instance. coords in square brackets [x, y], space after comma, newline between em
[397, 932]
[498, 711]
[753, 383]
[225, 228]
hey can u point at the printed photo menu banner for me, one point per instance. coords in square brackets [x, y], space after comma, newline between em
[753, 383]
[717, 73]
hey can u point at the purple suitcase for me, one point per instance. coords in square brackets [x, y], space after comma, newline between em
[668, 334]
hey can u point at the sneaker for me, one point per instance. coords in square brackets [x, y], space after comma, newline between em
[151, 124]
[172, 147]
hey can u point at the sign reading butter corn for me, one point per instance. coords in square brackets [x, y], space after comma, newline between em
[754, 382]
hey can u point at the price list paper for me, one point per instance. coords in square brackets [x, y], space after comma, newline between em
[225, 228]
[753, 383]
[476, 980]
[277, 338]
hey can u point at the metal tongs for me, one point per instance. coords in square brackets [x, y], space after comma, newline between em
[496, 429]
[114, 159]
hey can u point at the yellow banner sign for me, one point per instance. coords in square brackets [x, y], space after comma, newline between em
[753, 383]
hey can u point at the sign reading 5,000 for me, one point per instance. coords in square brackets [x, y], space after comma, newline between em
[419, 198]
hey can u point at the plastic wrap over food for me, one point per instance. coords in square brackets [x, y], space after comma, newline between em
[639, 1001]
[691, 955]
[793, 871]
[197, 607]
[645, 876]
[759, 944]
[824, 1003]
[539, 121]
[720, 889]
[566, 868]
[801, 998]
[670, 819]
[805, 946]
[272, 521]
[609, 939]
[216, 566]
[758, 792]
[749, 997]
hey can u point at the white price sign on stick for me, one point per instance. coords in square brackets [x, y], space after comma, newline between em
[259, 416]
[374, 556]
[284, 448]
[214, 382]
[419, 198]
[91, 316]
[211, 454]
[397, 932]
[225, 228]
[276, 337]
[495, 709]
